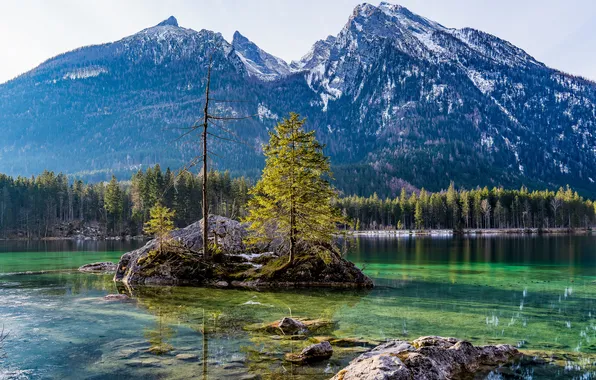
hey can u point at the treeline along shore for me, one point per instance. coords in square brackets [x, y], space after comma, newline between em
[52, 206]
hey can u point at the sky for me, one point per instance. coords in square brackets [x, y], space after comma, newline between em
[560, 33]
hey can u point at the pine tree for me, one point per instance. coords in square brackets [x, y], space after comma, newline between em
[114, 202]
[293, 197]
[160, 224]
[453, 205]
[418, 215]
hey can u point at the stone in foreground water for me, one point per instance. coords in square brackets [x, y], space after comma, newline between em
[430, 358]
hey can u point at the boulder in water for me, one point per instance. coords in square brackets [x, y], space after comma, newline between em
[290, 326]
[313, 353]
[430, 358]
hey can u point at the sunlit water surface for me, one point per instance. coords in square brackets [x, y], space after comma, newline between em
[535, 292]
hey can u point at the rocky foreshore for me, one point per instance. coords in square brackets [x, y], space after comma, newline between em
[425, 358]
[181, 262]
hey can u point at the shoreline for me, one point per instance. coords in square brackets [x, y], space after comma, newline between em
[380, 233]
[80, 239]
[474, 232]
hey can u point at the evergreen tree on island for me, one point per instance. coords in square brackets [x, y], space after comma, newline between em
[292, 200]
[160, 224]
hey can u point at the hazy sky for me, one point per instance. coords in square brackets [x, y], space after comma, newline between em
[560, 33]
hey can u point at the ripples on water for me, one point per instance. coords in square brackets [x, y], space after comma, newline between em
[537, 293]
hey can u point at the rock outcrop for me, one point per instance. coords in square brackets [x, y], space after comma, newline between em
[104, 267]
[145, 266]
[181, 262]
[428, 358]
[312, 270]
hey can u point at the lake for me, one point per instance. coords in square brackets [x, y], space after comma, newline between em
[535, 292]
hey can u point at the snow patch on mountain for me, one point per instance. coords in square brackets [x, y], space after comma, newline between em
[84, 73]
[265, 113]
[486, 86]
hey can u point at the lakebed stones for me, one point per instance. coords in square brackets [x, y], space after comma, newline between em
[104, 267]
[293, 328]
[429, 358]
[116, 297]
[187, 357]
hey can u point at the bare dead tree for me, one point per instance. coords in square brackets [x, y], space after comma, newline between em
[213, 120]
[205, 200]
[555, 204]
[486, 209]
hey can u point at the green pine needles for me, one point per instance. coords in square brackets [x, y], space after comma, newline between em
[292, 200]
[160, 224]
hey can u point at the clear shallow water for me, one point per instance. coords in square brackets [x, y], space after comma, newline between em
[538, 293]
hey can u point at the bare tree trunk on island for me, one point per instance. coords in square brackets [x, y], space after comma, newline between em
[205, 203]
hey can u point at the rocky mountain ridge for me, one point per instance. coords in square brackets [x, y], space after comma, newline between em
[396, 97]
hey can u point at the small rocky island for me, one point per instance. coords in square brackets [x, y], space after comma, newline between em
[291, 219]
[234, 264]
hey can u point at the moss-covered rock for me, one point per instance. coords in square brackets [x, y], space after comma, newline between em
[318, 266]
[180, 261]
[294, 327]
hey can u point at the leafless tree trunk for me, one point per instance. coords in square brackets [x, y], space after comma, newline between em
[486, 208]
[205, 173]
[555, 204]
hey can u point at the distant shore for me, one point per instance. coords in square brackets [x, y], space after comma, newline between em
[380, 233]
[476, 231]
[78, 238]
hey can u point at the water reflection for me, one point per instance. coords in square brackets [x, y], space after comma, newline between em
[534, 292]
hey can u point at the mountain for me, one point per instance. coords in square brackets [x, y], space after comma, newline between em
[399, 100]
[120, 105]
[259, 63]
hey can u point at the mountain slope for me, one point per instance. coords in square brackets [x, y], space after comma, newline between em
[258, 62]
[118, 105]
[396, 97]
[450, 103]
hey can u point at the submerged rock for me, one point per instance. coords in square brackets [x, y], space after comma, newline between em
[313, 353]
[105, 267]
[187, 357]
[294, 327]
[430, 358]
[116, 297]
[347, 342]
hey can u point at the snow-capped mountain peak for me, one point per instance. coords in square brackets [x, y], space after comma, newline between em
[319, 52]
[170, 21]
[332, 64]
[403, 95]
[259, 63]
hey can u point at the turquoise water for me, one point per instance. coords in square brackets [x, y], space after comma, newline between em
[538, 293]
